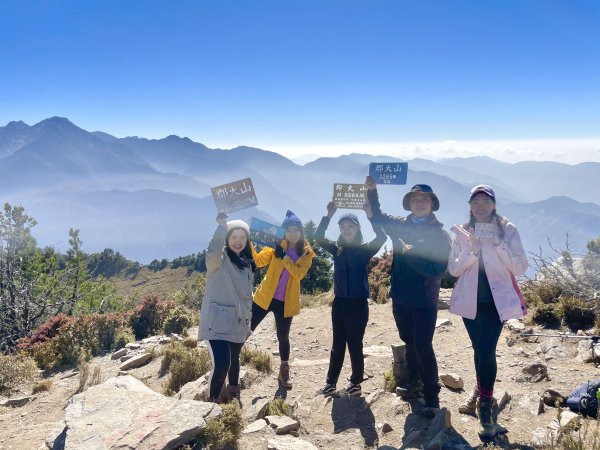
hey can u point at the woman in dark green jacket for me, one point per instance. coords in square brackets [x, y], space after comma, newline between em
[350, 310]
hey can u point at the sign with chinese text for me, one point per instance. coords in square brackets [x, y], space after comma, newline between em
[388, 173]
[484, 231]
[349, 196]
[234, 196]
[265, 233]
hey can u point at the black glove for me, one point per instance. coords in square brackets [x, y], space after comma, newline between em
[279, 251]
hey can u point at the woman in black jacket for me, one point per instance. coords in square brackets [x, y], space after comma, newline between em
[350, 310]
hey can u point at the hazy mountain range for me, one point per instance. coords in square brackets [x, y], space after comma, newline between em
[151, 199]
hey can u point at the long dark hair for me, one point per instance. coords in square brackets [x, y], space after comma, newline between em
[301, 242]
[245, 258]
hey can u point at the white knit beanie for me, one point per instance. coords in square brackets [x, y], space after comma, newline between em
[238, 224]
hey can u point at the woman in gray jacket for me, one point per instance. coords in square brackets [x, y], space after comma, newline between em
[227, 306]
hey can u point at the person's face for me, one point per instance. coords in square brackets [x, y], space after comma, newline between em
[421, 204]
[293, 234]
[482, 207]
[348, 230]
[237, 241]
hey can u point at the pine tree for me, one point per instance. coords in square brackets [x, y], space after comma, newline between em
[319, 277]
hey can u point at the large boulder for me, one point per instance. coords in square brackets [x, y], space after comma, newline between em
[123, 412]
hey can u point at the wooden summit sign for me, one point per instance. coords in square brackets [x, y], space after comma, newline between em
[349, 196]
[234, 196]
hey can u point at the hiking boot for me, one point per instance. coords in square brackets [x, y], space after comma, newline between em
[431, 407]
[284, 375]
[410, 389]
[470, 405]
[484, 411]
[232, 392]
[353, 390]
[327, 390]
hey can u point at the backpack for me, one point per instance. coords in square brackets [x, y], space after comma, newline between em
[584, 399]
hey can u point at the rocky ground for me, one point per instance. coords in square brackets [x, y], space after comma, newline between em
[378, 419]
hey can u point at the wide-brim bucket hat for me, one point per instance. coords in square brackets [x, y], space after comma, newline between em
[424, 188]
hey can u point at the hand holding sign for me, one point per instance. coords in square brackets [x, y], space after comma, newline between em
[222, 219]
[331, 209]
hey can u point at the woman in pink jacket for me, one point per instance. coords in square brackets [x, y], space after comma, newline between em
[486, 256]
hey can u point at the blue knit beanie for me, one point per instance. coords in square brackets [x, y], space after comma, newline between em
[291, 219]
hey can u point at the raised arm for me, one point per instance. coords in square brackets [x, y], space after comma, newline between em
[386, 221]
[325, 243]
[214, 253]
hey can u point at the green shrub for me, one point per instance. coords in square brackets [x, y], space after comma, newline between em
[42, 386]
[78, 336]
[389, 381]
[577, 314]
[123, 337]
[14, 370]
[547, 315]
[225, 430]
[178, 320]
[256, 358]
[541, 292]
[149, 315]
[278, 407]
[379, 277]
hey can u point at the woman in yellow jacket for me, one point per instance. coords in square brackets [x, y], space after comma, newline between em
[279, 290]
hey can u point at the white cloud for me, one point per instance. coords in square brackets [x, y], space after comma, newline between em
[570, 151]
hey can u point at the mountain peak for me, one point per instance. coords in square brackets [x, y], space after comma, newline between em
[17, 125]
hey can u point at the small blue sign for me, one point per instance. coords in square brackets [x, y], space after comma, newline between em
[389, 173]
[265, 233]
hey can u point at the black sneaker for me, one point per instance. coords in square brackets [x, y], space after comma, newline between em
[327, 390]
[353, 390]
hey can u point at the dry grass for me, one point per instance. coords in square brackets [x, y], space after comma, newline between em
[184, 364]
[321, 299]
[256, 358]
[278, 407]
[42, 386]
[14, 370]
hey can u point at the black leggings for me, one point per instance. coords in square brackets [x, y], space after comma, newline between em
[349, 317]
[484, 332]
[416, 327]
[282, 324]
[225, 356]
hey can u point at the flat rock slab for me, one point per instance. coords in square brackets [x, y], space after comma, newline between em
[124, 413]
[255, 426]
[119, 353]
[282, 424]
[289, 443]
[136, 361]
[443, 323]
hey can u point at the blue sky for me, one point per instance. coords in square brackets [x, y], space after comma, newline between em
[514, 77]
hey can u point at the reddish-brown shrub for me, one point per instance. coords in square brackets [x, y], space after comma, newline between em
[149, 315]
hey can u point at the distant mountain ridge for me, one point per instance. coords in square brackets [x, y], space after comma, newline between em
[150, 198]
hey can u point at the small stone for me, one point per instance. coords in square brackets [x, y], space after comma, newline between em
[133, 346]
[137, 361]
[256, 410]
[119, 353]
[282, 424]
[551, 398]
[515, 325]
[255, 426]
[386, 428]
[533, 403]
[373, 396]
[569, 419]
[443, 323]
[452, 381]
